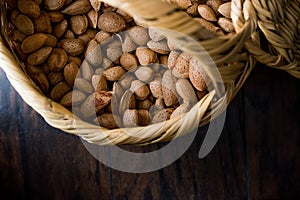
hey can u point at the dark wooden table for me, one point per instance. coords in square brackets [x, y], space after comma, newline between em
[257, 156]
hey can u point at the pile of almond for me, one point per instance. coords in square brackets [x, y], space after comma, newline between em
[106, 67]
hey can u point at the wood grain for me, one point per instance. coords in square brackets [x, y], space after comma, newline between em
[255, 158]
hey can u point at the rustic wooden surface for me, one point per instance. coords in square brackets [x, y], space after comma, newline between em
[257, 156]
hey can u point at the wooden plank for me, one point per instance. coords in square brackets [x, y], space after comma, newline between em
[221, 175]
[38, 161]
[272, 102]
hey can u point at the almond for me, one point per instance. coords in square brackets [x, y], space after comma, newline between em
[60, 28]
[169, 89]
[197, 75]
[145, 55]
[87, 36]
[127, 102]
[73, 47]
[130, 118]
[114, 73]
[86, 70]
[102, 99]
[128, 45]
[54, 4]
[29, 8]
[111, 22]
[55, 77]
[39, 56]
[140, 90]
[144, 117]
[79, 24]
[43, 24]
[226, 24]
[156, 87]
[108, 120]
[186, 91]
[214, 4]
[126, 81]
[74, 97]
[99, 83]
[129, 61]
[93, 18]
[183, 108]
[93, 53]
[96, 4]
[207, 13]
[144, 74]
[162, 115]
[78, 7]
[24, 24]
[181, 68]
[172, 59]
[60, 90]
[139, 35]
[57, 59]
[70, 73]
[144, 104]
[225, 9]
[155, 35]
[83, 85]
[160, 47]
[33, 42]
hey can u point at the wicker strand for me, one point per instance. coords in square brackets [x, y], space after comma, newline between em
[235, 65]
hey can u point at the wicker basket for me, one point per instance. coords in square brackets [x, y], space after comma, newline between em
[223, 50]
[279, 22]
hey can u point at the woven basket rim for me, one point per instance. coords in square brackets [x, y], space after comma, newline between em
[59, 117]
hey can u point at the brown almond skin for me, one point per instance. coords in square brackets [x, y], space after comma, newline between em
[111, 22]
[130, 118]
[181, 68]
[29, 8]
[108, 120]
[78, 7]
[144, 117]
[74, 97]
[70, 73]
[60, 28]
[55, 77]
[225, 9]
[129, 61]
[99, 83]
[169, 89]
[73, 47]
[54, 4]
[226, 24]
[43, 24]
[93, 53]
[60, 90]
[197, 74]
[79, 24]
[39, 56]
[42, 82]
[57, 59]
[145, 55]
[102, 99]
[56, 16]
[140, 90]
[84, 85]
[114, 73]
[33, 42]
[24, 24]
[139, 35]
[162, 115]
[51, 41]
[207, 13]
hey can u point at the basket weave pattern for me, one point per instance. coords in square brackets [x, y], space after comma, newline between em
[234, 55]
